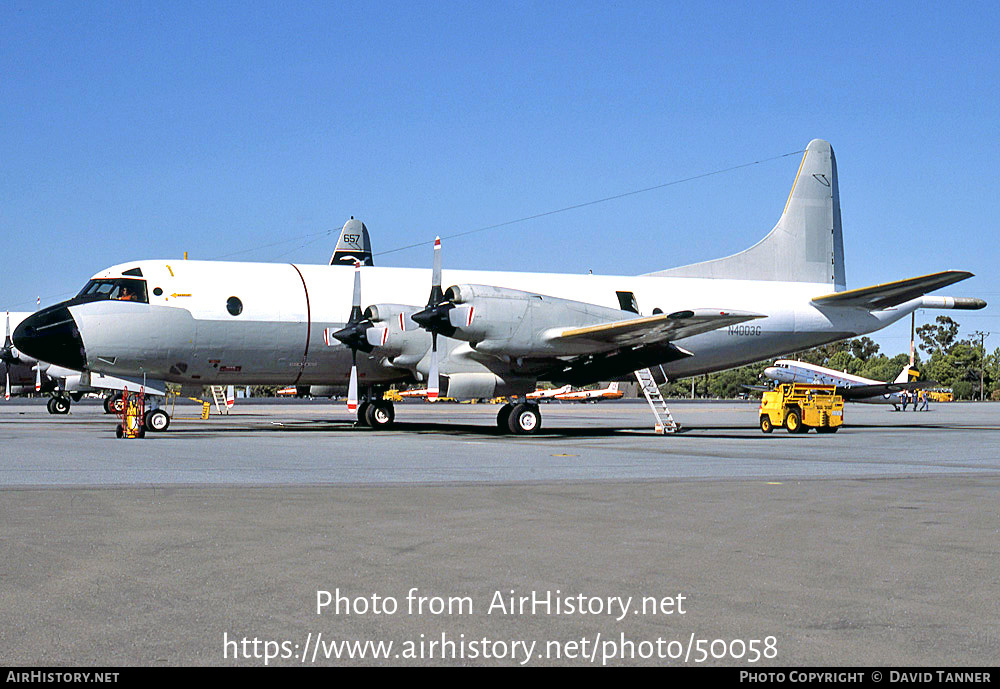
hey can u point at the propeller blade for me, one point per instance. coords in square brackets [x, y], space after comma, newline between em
[7, 338]
[352, 388]
[38, 376]
[6, 393]
[437, 296]
[377, 336]
[356, 315]
[432, 378]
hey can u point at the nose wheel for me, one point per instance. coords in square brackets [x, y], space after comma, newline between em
[58, 405]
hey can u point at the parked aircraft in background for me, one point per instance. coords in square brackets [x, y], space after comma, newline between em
[490, 333]
[548, 393]
[852, 388]
[609, 393]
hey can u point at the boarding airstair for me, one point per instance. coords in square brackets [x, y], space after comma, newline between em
[664, 421]
[219, 397]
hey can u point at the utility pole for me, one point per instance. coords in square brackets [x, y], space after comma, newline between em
[982, 362]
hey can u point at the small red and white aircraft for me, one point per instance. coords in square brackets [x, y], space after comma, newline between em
[548, 394]
[609, 393]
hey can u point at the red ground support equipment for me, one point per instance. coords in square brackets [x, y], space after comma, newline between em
[132, 414]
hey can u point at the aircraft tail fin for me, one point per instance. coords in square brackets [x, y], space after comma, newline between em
[806, 245]
[613, 387]
[353, 245]
[907, 374]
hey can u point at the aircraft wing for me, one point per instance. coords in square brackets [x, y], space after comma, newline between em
[892, 293]
[654, 329]
[860, 392]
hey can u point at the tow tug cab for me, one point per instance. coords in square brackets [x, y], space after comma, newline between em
[799, 407]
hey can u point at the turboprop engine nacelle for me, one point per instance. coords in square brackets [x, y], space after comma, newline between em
[395, 335]
[497, 320]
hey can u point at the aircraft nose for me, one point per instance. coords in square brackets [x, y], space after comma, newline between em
[52, 335]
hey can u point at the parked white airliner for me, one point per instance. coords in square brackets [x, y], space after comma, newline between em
[851, 387]
[490, 333]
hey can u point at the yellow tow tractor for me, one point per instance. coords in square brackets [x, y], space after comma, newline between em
[799, 407]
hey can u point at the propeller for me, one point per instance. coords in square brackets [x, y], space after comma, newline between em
[7, 354]
[434, 317]
[355, 336]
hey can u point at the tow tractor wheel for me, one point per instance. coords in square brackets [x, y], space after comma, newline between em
[58, 405]
[503, 417]
[363, 413]
[793, 422]
[113, 404]
[525, 419]
[765, 423]
[157, 420]
[380, 414]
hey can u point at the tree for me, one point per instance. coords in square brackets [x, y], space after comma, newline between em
[938, 338]
[863, 348]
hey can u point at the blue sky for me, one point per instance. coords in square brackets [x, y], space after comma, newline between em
[143, 130]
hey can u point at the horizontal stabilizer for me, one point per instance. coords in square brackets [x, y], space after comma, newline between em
[653, 329]
[861, 392]
[892, 293]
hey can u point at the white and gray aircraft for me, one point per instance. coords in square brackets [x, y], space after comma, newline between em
[851, 387]
[489, 333]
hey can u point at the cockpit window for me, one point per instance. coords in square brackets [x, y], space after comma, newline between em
[120, 289]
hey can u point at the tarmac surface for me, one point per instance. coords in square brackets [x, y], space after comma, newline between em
[874, 546]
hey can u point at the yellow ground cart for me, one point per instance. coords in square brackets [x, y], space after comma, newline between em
[799, 407]
[940, 395]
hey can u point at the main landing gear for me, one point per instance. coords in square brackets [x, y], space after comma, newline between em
[520, 419]
[377, 414]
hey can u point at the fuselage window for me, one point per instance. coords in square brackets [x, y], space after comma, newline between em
[120, 289]
[234, 306]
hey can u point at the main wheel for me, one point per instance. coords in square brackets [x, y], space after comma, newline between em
[525, 419]
[503, 416]
[157, 420]
[793, 422]
[765, 423]
[363, 412]
[380, 414]
[113, 404]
